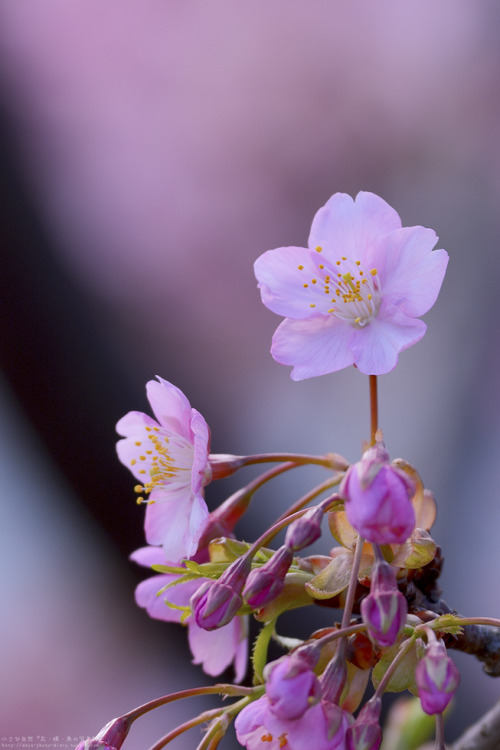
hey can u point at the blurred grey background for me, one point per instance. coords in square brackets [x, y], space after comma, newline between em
[149, 152]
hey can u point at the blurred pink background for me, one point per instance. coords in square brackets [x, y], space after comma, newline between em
[154, 150]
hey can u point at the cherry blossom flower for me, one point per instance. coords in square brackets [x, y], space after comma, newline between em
[323, 726]
[356, 294]
[214, 650]
[169, 457]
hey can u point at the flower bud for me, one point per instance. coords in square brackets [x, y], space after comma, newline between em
[111, 737]
[265, 583]
[384, 610]
[377, 497]
[305, 530]
[291, 686]
[366, 732]
[215, 603]
[437, 678]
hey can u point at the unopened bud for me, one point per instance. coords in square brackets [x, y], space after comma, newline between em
[111, 737]
[334, 678]
[385, 609]
[378, 498]
[265, 583]
[291, 686]
[437, 678]
[366, 732]
[215, 603]
[305, 530]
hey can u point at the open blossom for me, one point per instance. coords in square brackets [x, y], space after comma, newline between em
[214, 650]
[355, 295]
[169, 457]
[323, 726]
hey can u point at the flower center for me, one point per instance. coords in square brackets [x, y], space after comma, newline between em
[345, 289]
[163, 459]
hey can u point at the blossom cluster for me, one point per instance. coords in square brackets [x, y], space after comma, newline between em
[353, 297]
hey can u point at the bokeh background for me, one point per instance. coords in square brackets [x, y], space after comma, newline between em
[150, 151]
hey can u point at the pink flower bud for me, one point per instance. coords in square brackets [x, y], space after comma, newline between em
[377, 497]
[111, 737]
[291, 686]
[266, 582]
[366, 732]
[215, 604]
[437, 678]
[305, 530]
[385, 609]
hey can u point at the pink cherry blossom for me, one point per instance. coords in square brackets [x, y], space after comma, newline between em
[214, 650]
[355, 294]
[169, 457]
[323, 726]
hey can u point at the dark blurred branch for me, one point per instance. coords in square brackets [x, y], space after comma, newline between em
[483, 735]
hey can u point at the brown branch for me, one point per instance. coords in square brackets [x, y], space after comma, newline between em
[424, 600]
[483, 735]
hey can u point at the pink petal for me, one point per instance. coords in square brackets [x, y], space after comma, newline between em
[176, 522]
[410, 272]
[281, 282]
[146, 596]
[201, 435]
[215, 650]
[250, 726]
[344, 227]
[134, 423]
[376, 347]
[130, 455]
[170, 406]
[315, 347]
[148, 556]
[241, 655]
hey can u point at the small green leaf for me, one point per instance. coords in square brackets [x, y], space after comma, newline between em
[419, 550]
[404, 674]
[447, 624]
[333, 579]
